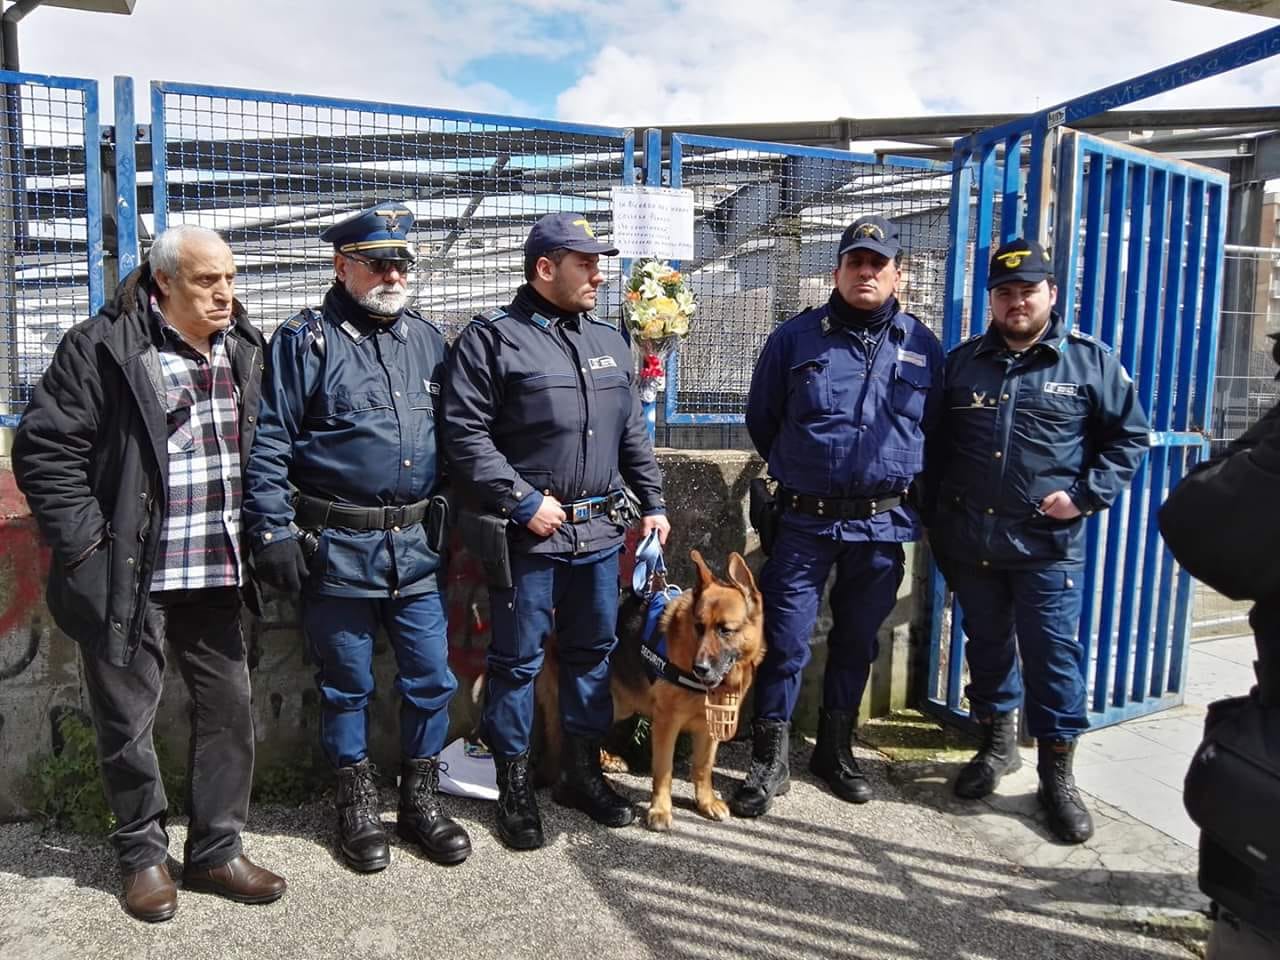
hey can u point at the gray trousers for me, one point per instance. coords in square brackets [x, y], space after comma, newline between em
[201, 628]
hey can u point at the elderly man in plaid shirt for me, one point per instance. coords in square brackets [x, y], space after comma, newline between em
[131, 455]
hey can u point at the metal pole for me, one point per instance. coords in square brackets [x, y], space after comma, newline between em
[9, 30]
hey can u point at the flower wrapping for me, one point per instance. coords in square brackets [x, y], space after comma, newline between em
[658, 308]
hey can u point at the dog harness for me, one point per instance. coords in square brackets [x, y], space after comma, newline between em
[649, 583]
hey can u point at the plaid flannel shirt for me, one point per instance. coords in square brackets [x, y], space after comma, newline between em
[200, 540]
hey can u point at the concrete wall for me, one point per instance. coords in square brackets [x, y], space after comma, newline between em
[40, 674]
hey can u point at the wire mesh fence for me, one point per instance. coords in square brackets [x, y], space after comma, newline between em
[768, 220]
[50, 224]
[271, 172]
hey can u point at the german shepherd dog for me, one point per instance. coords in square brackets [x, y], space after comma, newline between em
[715, 632]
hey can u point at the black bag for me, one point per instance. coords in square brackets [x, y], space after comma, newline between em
[764, 511]
[1222, 525]
[485, 537]
[1232, 792]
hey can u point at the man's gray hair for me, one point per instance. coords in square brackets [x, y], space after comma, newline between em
[166, 251]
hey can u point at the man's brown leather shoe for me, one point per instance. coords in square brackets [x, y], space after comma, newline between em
[150, 894]
[240, 880]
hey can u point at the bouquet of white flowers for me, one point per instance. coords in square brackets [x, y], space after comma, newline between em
[658, 309]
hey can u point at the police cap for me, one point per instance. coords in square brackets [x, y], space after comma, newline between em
[564, 231]
[381, 232]
[1019, 259]
[870, 233]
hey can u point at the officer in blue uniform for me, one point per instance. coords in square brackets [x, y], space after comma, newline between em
[339, 504]
[542, 426]
[1041, 428]
[841, 400]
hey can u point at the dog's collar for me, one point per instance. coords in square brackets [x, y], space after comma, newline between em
[653, 645]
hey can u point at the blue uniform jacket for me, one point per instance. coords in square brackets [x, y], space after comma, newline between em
[836, 417]
[348, 414]
[534, 406]
[1062, 416]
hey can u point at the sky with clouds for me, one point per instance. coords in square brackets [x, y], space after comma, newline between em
[659, 61]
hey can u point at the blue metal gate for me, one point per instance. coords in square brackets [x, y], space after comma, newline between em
[768, 218]
[271, 170]
[1139, 244]
[51, 254]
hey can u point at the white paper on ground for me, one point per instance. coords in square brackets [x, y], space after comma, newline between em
[467, 770]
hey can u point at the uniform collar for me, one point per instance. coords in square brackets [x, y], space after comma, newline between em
[897, 322]
[1054, 339]
[356, 322]
[541, 312]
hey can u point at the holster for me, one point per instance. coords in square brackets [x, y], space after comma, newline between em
[764, 511]
[485, 537]
[436, 523]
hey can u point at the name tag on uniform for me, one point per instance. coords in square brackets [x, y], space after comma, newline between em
[1062, 389]
[431, 388]
[601, 363]
[909, 356]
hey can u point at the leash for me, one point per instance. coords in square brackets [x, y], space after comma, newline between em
[649, 583]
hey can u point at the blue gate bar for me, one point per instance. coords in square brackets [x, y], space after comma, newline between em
[93, 196]
[1092, 250]
[1011, 201]
[1036, 185]
[159, 163]
[953, 318]
[1207, 361]
[983, 229]
[126, 198]
[1119, 200]
[1070, 203]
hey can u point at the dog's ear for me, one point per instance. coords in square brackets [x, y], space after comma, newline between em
[705, 576]
[740, 575]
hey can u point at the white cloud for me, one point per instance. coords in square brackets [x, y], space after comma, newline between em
[767, 60]
[660, 61]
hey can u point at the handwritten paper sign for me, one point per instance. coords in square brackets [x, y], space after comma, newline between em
[653, 222]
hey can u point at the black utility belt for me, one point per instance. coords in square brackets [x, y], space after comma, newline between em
[315, 512]
[592, 508]
[839, 508]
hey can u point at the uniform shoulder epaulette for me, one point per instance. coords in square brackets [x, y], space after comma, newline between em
[604, 323]
[410, 312]
[490, 316]
[296, 324]
[1088, 338]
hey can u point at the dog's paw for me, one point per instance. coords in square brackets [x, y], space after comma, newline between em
[660, 819]
[612, 763]
[717, 809]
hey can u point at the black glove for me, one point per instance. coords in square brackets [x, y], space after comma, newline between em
[281, 565]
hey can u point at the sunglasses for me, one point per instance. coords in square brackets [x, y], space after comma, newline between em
[402, 266]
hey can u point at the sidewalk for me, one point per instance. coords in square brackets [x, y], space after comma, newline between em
[913, 874]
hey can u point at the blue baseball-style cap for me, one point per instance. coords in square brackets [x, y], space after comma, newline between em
[381, 231]
[564, 231]
[1019, 259]
[870, 233]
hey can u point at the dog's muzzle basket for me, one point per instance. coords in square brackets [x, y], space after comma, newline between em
[722, 714]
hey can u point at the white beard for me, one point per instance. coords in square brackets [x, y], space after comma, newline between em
[386, 300]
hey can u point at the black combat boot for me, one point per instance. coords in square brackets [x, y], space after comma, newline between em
[519, 825]
[768, 776]
[582, 785]
[997, 756]
[421, 819]
[361, 839]
[1068, 819]
[833, 760]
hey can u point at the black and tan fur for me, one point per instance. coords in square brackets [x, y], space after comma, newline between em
[714, 631]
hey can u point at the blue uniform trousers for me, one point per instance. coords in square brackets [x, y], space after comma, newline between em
[1035, 613]
[580, 602]
[867, 577]
[340, 633]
